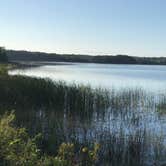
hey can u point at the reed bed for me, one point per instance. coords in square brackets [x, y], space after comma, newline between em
[26, 92]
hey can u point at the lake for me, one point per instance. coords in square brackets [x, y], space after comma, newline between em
[131, 130]
[148, 77]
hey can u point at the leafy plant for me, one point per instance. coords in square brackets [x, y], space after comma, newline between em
[18, 149]
[89, 157]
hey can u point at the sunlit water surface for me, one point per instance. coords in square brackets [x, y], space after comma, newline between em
[149, 77]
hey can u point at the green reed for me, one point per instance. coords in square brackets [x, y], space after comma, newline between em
[26, 92]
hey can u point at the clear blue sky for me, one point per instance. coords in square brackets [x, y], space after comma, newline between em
[134, 27]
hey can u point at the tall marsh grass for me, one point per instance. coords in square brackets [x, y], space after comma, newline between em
[26, 92]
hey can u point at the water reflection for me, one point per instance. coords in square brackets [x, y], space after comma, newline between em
[130, 130]
[152, 78]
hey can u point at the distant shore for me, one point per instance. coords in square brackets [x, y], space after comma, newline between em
[40, 58]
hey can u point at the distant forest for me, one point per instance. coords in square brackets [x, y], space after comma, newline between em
[107, 59]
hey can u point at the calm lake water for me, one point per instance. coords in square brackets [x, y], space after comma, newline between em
[131, 130]
[151, 78]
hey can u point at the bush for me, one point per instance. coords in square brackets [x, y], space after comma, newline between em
[3, 70]
[89, 157]
[66, 152]
[52, 161]
[18, 149]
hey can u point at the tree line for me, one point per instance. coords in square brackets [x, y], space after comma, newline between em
[13, 55]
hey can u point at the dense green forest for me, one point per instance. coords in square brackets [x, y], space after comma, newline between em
[108, 59]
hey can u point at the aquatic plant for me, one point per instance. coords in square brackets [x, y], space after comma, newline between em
[25, 92]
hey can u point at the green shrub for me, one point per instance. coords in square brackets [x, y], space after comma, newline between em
[3, 70]
[89, 157]
[66, 152]
[18, 149]
[52, 161]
